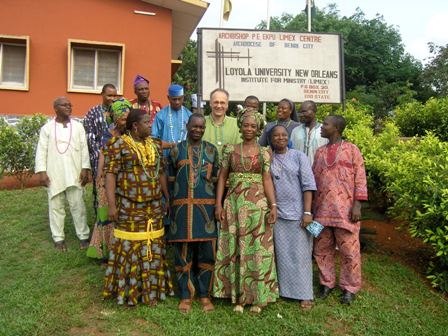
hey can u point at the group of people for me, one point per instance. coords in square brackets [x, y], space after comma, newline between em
[234, 198]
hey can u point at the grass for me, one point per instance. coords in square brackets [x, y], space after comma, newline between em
[44, 292]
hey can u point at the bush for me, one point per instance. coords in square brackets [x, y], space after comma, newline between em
[415, 118]
[418, 181]
[18, 146]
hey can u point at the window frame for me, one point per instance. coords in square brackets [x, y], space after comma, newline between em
[95, 46]
[17, 41]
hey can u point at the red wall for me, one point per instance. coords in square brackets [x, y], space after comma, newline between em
[50, 23]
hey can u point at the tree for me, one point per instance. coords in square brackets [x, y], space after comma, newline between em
[18, 146]
[187, 74]
[376, 63]
[435, 73]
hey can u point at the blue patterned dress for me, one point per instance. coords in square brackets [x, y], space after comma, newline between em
[292, 175]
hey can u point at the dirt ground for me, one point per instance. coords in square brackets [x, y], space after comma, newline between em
[387, 237]
[10, 182]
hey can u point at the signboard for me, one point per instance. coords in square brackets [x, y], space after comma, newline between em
[271, 65]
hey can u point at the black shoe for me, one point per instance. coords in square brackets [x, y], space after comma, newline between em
[84, 244]
[347, 297]
[324, 292]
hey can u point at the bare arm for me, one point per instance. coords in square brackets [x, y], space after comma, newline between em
[164, 184]
[222, 177]
[270, 195]
[307, 201]
[100, 164]
[84, 176]
[360, 192]
[110, 193]
[168, 145]
[44, 179]
[356, 211]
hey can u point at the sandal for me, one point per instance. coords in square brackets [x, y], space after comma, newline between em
[306, 304]
[207, 305]
[153, 303]
[60, 246]
[255, 309]
[238, 309]
[184, 306]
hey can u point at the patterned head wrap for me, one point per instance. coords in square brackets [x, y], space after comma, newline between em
[120, 107]
[140, 79]
[250, 113]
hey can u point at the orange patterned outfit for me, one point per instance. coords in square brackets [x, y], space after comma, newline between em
[340, 179]
[137, 269]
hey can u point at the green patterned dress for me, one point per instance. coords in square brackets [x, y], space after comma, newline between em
[245, 263]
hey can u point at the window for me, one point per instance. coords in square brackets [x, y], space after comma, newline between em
[14, 60]
[93, 64]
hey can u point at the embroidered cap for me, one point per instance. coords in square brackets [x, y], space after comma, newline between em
[175, 90]
[140, 79]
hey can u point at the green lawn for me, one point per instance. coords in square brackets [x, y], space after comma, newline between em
[44, 292]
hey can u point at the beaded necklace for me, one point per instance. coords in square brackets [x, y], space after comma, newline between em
[219, 141]
[56, 137]
[308, 137]
[146, 153]
[242, 159]
[338, 152]
[194, 169]
[181, 128]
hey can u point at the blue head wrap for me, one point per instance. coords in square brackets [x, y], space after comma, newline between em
[175, 90]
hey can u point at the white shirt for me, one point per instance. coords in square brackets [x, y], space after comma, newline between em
[62, 155]
[308, 141]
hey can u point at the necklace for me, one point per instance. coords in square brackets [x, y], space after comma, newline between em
[147, 106]
[280, 162]
[242, 160]
[181, 128]
[338, 152]
[147, 154]
[282, 123]
[308, 137]
[194, 169]
[56, 137]
[218, 141]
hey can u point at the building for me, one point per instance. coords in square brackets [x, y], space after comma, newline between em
[51, 48]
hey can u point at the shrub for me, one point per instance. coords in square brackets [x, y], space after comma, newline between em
[415, 118]
[411, 179]
[18, 146]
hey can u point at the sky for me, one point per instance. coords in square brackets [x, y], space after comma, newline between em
[418, 22]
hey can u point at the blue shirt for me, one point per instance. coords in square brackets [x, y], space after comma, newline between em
[292, 175]
[171, 125]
